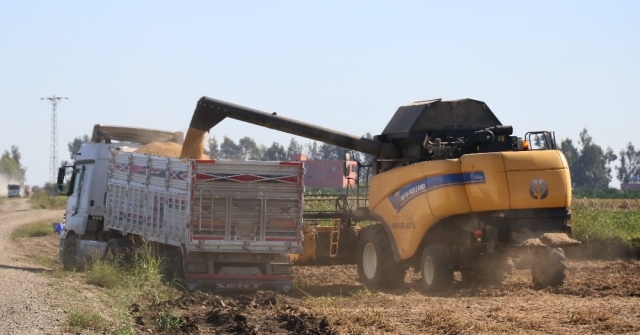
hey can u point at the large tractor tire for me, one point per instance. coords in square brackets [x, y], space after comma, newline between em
[70, 260]
[376, 266]
[548, 269]
[437, 267]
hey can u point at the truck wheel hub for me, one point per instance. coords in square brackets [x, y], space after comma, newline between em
[369, 260]
[427, 269]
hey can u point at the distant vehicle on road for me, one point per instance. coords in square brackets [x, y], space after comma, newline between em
[14, 191]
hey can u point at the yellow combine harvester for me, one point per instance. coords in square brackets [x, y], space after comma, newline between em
[452, 190]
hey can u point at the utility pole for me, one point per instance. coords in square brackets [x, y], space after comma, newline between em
[53, 159]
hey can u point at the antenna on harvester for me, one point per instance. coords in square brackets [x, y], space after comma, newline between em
[53, 159]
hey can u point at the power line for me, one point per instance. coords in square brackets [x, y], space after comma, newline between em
[53, 158]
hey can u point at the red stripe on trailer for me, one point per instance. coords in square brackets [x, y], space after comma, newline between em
[205, 161]
[254, 277]
[290, 163]
[204, 237]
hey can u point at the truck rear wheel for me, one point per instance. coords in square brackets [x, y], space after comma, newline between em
[437, 267]
[172, 266]
[376, 266]
[548, 269]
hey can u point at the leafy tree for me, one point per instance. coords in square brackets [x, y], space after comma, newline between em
[294, 148]
[590, 166]
[629, 164]
[275, 152]
[10, 168]
[250, 149]
[313, 152]
[16, 156]
[211, 148]
[230, 150]
[74, 146]
[331, 152]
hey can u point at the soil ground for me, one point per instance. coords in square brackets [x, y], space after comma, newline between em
[600, 296]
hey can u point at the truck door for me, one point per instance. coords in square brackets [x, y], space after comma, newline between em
[77, 203]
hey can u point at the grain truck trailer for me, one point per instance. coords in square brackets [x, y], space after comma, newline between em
[217, 224]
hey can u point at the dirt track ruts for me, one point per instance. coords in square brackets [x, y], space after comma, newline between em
[29, 301]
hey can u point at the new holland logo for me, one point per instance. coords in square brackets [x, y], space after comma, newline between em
[538, 189]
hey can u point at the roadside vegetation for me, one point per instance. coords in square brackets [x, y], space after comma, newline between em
[35, 229]
[43, 200]
[125, 287]
[609, 227]
[107, 295]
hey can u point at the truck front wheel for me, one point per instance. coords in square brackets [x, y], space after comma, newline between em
[69, 257]
[437, 267]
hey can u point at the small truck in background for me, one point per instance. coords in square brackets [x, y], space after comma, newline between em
[216, 224]
[14, 191]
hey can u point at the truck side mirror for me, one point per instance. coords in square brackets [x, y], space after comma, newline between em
[60, 183]
[346, 169]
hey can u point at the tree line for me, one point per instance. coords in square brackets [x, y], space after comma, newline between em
[11, 166]
[248, 149]
[591, 166]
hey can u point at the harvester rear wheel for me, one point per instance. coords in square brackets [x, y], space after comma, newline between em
[437, 267]
[549, 268]
[376, 266]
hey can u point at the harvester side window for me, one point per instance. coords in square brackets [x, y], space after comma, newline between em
[541, 140]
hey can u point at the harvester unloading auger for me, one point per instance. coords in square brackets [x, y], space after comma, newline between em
[452, 190]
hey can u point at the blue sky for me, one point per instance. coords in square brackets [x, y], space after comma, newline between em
[347, 65]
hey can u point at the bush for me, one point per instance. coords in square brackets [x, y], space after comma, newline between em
[35, 229]
[600, 225]
[78, 320]
[42, 200]
[104, 274]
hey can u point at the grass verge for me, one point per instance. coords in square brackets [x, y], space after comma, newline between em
[125, 286]
[80, 320]
[35, 229]
[42, 200]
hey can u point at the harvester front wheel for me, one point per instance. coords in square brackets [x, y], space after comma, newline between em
[549, 268]
[437, 267]
[376, 266]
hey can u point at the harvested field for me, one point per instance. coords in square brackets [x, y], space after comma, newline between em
[598, 297]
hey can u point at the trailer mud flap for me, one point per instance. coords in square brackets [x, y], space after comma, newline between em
[204, 281]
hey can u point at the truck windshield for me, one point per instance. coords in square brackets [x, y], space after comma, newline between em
[14, 187]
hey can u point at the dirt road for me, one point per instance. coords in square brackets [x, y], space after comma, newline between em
[29, 301]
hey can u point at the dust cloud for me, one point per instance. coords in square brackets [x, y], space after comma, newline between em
[4, 182]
